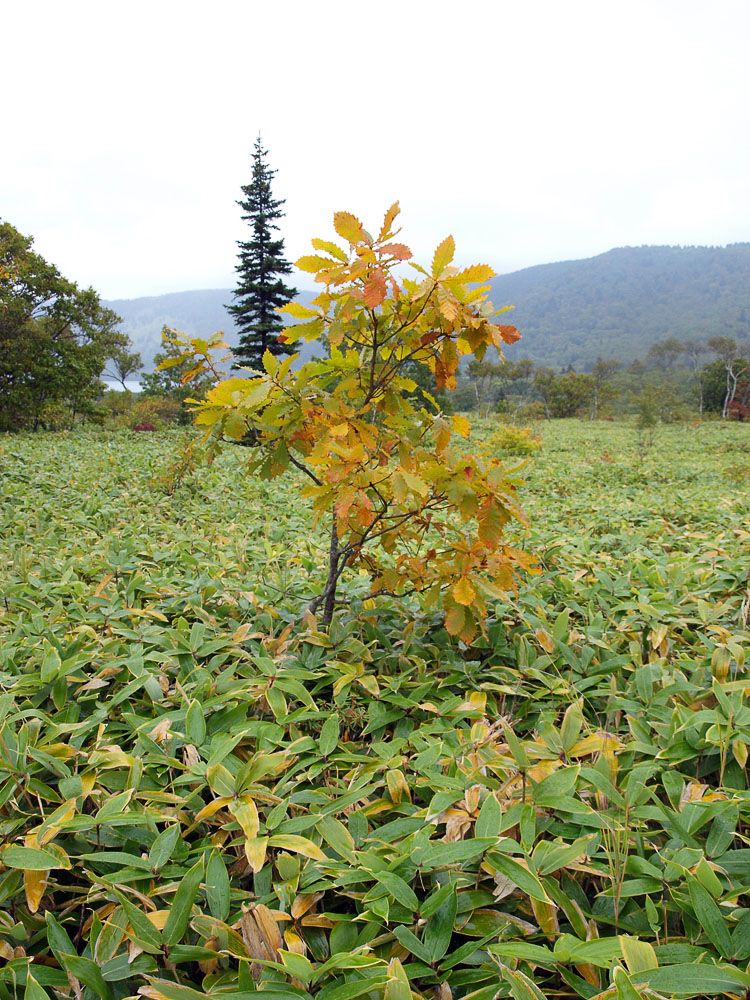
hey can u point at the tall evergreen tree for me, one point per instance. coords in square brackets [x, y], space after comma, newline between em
[261, 287]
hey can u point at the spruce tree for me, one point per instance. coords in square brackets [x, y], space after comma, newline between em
[261, 288]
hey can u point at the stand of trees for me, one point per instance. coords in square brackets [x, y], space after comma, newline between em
[674, 379]
[55, 340]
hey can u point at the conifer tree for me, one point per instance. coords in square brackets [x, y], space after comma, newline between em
[261, 288]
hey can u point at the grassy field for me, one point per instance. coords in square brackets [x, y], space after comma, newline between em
[194, 795]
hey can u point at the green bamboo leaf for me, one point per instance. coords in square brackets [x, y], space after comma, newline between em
[114, 806]
[460, 955]
[195, 723]
[217, 887]
[33, 990]
[57, 936]
[521, 987]
[412, 943]
[710, 917]
[741, 938]
[299, 966]
[694, 980]
[526, 880]
[179, 912]
[51, 665]
[83, 969]
[349, 991]
[89, 973]
[535, 954]
[337, 836]
[144, 933]
[35, 859]
[438, 855]
[572, 722]
[516, 747]
[398, 889]
[438, 931]
[556, 856]
[163, 846]
[625, 988]
[436, 899]
[329, 735]
[489, 818]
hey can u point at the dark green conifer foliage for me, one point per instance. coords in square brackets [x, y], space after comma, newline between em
[261, 266]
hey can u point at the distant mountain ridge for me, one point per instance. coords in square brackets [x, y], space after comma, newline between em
[196, 313]
[614, 305]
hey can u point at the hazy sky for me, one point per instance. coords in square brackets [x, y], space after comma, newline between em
[533, 130]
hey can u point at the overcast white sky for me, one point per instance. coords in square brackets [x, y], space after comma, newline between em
[533, 130]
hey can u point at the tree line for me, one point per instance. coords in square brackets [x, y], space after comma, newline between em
[674, 379]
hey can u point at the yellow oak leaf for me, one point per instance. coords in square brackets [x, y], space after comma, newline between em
[348, 227]
[463, 592]
[443, 256]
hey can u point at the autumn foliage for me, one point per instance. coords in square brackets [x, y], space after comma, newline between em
[410, 502]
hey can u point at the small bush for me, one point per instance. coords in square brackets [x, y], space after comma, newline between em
[531, 411]
[514, 440]
[157, 411]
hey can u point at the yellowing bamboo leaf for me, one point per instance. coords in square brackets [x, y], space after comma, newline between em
[545, 640]
[245, 812]
[639, 955]
[34, 884]
[255, 852]
[158, 918]
[601, 742]
[298, 845]
[212, 807]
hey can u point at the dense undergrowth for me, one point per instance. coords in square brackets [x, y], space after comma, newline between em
[203, 793]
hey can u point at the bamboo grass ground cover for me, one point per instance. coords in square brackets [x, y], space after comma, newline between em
[204, 794]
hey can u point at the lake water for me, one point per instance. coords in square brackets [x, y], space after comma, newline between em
[132, 385]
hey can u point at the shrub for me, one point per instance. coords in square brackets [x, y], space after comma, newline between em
[159, 411]
[409, 503]
[514, 440]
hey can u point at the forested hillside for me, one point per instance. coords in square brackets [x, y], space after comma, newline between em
[615, 305]
[618, 304]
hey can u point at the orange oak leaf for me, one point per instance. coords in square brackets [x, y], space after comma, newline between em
[509, 334]
[375, 289]
[398, 250]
